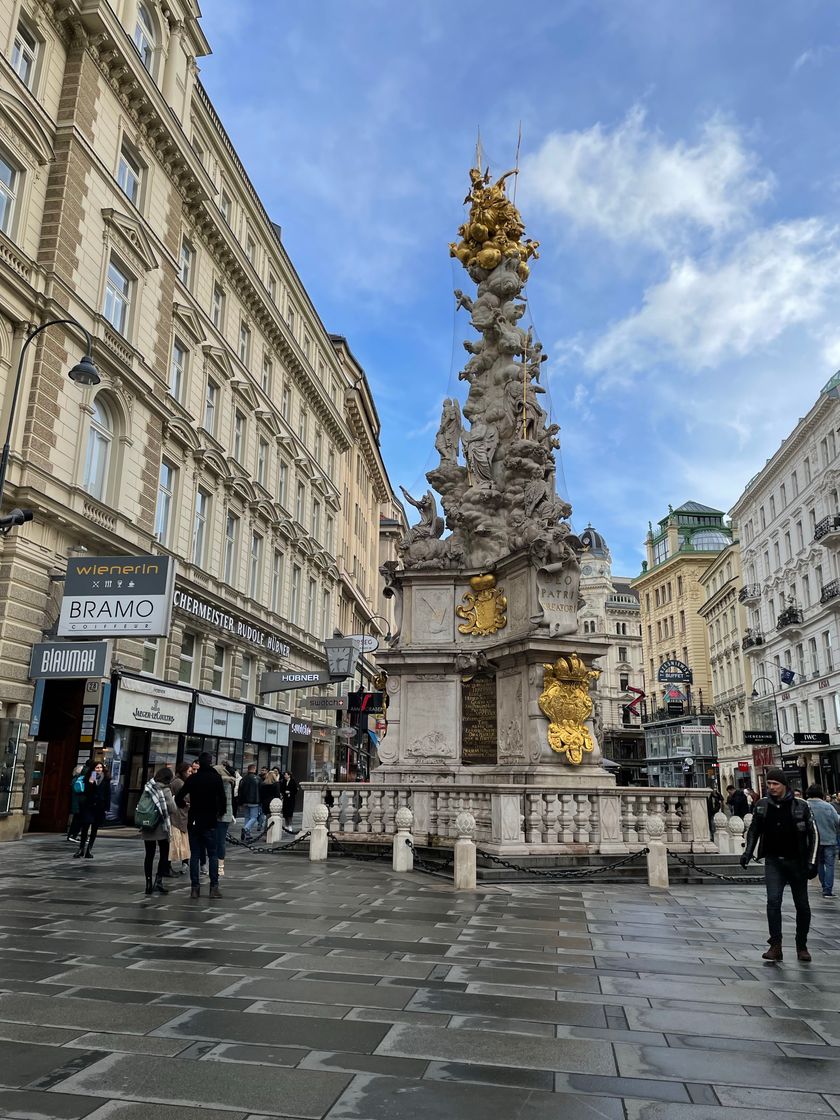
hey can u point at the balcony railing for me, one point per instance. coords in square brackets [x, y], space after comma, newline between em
[828, 526]
[791, 616]
[752, 639]
[830, 592]
[750, 593]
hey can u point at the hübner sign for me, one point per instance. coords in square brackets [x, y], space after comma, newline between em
[117, 596]
[230, 624]
[143, 704]
[69, 659]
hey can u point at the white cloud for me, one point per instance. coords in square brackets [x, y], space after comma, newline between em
[627, 183]
[706, 313]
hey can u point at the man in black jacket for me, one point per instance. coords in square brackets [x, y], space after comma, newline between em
[207, 804]
[783, 828]
[249, 800]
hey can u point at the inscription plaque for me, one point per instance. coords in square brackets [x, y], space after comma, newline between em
[479, 739]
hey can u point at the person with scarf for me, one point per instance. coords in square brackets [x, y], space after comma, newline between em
[158, 837]
[785, 835]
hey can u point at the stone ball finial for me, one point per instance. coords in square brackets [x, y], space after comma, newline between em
[720, 820]
[276, 807]
[403, 818]
[465, 824]
[735, 826]
[655, 827]
[320, 814]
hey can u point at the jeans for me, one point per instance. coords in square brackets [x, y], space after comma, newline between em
[221, 835]
[203, 842]
[252, 816]
[825, 866]
[779, 873]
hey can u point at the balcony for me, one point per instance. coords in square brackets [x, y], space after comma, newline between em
[750, 593]
[830, 595]
[827, 531]
[790, 619]
[751, 641]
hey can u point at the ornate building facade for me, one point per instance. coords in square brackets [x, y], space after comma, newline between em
[228, 427]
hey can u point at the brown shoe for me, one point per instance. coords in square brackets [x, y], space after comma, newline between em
[774, 953]
[195, 892]
[215, 892]
[803, 955]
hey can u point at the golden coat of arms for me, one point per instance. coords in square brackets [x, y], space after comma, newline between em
[484, 608]
[566, 703]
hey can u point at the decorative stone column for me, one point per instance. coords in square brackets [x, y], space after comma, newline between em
[721, 836]
[465, 852]
[657, 858]
[403, 853]
[275, 822]
[319, 840]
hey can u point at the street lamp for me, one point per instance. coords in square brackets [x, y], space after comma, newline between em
[755, 695]
[83, 373]
[342, 654]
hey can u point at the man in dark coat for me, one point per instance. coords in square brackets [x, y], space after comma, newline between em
[205, 791]
[288, 791]
[248, 800]
[783, 829]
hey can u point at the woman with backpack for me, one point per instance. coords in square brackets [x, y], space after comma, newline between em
[77, 788]
[94, 805]
[153, 816]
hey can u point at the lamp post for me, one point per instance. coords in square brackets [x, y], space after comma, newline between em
[755, 695]
[83, 373]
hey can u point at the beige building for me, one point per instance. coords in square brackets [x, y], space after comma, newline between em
[228, 428]
[725, 618]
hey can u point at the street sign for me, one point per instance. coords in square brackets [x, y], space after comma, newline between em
[285, 679]
[366, 642]
[760, 738]
[117, 596]
[696, 729]
[334, 702]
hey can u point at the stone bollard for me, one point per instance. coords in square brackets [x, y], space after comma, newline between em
[319, 838]
[722, 833]
[403, 856]
[747, 822]
[464, 871]
[275, 822]
[735, 828]
[657, 859]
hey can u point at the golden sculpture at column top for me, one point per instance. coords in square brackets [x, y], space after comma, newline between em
[485, 607]
[495, 229]
[566, 703]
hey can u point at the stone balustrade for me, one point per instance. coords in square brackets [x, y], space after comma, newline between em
[526, 820]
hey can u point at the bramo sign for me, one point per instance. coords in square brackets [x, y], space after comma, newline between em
[117, 596]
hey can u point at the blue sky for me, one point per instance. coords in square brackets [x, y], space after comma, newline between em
[680, 165]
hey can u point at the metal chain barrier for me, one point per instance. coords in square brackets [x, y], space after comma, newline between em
[431, 868]
[564, 873]
[266, 849]
[363, 857]
[745, 880]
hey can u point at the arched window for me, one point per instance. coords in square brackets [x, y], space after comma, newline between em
[99, 447]
[144, 36]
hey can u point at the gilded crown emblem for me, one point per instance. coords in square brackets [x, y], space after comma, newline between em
[484, 607]
[566, 703]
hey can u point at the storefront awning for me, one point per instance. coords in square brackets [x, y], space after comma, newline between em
[154, 706]
[270, 727]
[215, 715]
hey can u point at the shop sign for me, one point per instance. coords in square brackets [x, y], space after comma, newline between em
[271, 727]
[285, 681]
[366, 642]
[683, 749]
[331, 702]
[811, 738]
[744, 767]
[301, 728]
[695, 729]
[214, 715]
[117, 596]
[674, 671]
[69, 659]
[760, 738]
[230, 624]
[150, 705]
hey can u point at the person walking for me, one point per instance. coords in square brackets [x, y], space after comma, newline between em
[207, 804]
[77, 789]
[827, 820]
[225, 772]
[249, 800]
[714, 804]
[179, 847]
[94, 805]
[783, 831]
[268, 791]
[288, 791]
[158, 836]
[738, 802]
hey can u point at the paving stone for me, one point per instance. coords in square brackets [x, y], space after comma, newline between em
[128, 1110]
[620, 1087]
[735, 1068]
[89, 1014]
[29, 1104]
[138, 980]
[129, 1044]
[364, 1063]
[320, 991]
[727, 1026]
[345, 964]
[656, 1110]
[249, 1055]
[490, 1075]
[737, 1096]
[22, 1064]
[320, 1034]
[536, 1010]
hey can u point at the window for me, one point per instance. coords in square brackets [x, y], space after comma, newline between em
[211, 399]
[282, 482]
[317, 445]
[100, 440]
[622, 653]
[255, 567]
[187, 263]
[231, 548]
[217, 310]
[144, 37]
[286, 402]
[202, 514]
[311, 590]
[822, 724]
[772, 507]
[8, 195]
[294, 601]
[165, 498]
[827, 653]
[150, 649]
[800, 541]
[806, 592]
[794, 481]
[246, 672]
[267, 376]
[300, 501]
[178, 370]
[250, 249]
[326, 612]
[800, 660]
[623, 682]
[330, 533]
[238, 435]
[272, 287]
[807, 466]
[129, 175]
[290, 317]
[788, 552]
[262, 462]
[762, 518]
[783, 495]
[812, 656]
[25, 54]
[224, 205]
[218, 669]
[303, 424]
[276, 581]
[307, 346]
[187, 658]
[316, 519]
[244, 343]
[117, 297]
[331, 465]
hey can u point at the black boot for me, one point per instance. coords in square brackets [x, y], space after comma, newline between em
[78, 854]
[159, 888]
[148, 884]
[89, 852]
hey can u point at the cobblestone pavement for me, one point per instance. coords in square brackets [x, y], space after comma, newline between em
[344, 991]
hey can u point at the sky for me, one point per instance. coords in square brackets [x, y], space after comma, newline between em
[679, 163]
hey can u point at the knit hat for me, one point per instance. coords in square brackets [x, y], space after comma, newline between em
[775, 774]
